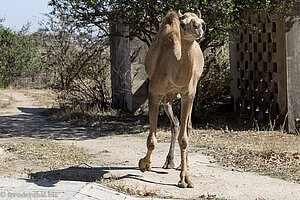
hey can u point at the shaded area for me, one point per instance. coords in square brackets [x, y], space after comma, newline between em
[86, 174]
[91, 174]
[24, 125]
[33, 111]
[43, 183]
[30, 123]
[140, 96]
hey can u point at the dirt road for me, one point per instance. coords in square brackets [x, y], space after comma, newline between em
[118, 155]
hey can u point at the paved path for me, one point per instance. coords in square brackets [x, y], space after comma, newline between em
[63, 190]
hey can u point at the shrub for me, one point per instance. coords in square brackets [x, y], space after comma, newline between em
[77, 58]
[214, 85]
[19, 55]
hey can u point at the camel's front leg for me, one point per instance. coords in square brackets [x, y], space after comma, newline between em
[154, 101]
[189, 132]
[186, 109]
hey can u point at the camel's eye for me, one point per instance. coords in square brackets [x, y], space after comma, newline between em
[182, 17]
[195, 27]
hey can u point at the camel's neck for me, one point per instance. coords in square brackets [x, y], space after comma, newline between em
[186, 62]
[186, 45]
[186, 52]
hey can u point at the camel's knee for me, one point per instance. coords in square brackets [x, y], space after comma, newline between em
[183, 142]
[151, 143]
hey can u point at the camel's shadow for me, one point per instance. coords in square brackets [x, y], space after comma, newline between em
[86, 174]
[92, 174]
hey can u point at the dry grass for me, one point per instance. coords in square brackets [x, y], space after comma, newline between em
[46, 98]
[130, 190]
[5, 101]
[276, 141]
[23, 156]
[272, 153]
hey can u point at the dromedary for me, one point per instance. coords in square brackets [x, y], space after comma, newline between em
[174, 64]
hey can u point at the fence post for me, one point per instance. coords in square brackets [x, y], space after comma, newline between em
[120, 66]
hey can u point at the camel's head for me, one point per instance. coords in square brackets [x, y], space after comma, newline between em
[191, 25]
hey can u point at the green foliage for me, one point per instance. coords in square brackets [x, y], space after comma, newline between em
[144, 16]
[214, 85]
[19, 55]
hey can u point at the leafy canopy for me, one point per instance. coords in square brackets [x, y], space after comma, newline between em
[144, 16]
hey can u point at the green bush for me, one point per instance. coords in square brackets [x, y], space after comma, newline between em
[214, 85]
[19, 55]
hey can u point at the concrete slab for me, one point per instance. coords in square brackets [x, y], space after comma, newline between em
[13, 189]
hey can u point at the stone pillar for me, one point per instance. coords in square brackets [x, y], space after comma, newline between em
[293, 69]
[120, 66]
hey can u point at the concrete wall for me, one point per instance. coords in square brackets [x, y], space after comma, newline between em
[258, 69]
[265, 69]
[140, 83]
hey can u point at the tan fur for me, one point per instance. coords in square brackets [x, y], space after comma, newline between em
[174, 64]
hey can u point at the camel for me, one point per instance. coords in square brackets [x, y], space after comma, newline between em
[174, 64]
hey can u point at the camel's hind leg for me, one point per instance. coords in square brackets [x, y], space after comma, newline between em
[174, 125]
[154, 101]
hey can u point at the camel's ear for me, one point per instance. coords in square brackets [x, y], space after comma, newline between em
[179, 13]
[198, 13]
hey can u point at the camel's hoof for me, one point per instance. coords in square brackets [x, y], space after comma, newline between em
[190, 185]
[182, 184]
[143, 166]
[189, 182]
[169, 165]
